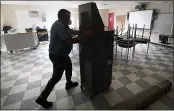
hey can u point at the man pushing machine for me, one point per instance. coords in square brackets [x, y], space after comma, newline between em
[60, 46]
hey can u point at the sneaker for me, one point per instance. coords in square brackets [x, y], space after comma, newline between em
[71, 85]
[44, 103]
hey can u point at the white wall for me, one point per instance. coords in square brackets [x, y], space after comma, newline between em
[22, 17]
[121, 11]
[9, 13]
[162, 7]
[52, 16]
[2, 21]
[104, 15]
[10, 18]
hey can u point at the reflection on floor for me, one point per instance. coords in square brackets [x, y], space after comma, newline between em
[24, 75]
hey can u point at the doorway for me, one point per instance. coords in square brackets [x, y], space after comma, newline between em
[120, 21]
[111, 21]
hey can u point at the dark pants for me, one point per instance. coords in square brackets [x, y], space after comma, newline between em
[60, 63]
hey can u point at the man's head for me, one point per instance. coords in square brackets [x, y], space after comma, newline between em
[64, 15]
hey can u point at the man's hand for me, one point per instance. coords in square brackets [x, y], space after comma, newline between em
[89, 33]
[74, 32]
[77, 39]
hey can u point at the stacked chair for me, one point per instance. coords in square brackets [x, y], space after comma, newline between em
[126, 41]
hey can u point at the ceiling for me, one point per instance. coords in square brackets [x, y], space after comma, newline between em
[74, 4]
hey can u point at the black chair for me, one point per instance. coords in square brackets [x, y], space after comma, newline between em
[6, 29]
[28, 29]
[142, 40]
[163, 40]
[42, 34]
[127, 44]
[126, 41]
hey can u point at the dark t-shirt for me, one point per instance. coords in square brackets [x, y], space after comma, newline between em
[58, 40]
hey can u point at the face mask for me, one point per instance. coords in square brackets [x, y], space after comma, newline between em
[69, 22]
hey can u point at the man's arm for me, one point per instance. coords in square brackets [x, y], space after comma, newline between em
[64, 35]
[77, 39]
[74, 32]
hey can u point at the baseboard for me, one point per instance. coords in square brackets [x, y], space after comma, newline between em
[162, 45]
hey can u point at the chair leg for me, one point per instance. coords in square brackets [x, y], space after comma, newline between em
[160, 47]
[73, 51]
[121, 52]
[147, 50]
[116, 51]
[133, 53]
[127, 54]
[76, 47]
[166, 48]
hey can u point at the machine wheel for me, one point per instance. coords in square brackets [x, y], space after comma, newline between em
[81, 87]
[34, 48]
[91, 97]
[107, 89]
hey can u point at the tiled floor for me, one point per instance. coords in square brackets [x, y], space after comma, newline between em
[24, 75]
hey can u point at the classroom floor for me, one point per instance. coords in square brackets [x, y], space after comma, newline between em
[24, 75]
